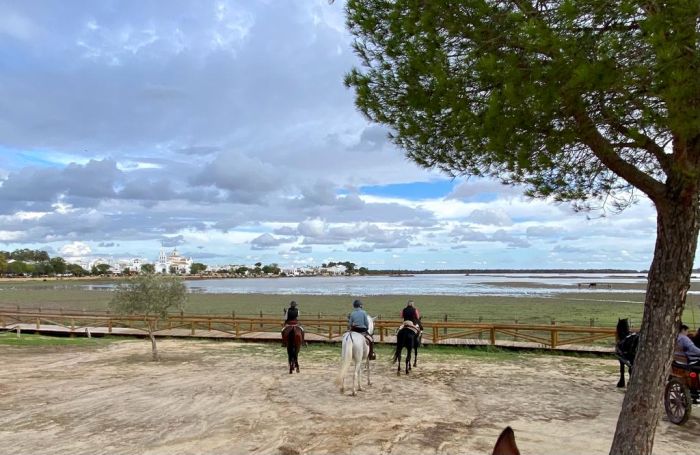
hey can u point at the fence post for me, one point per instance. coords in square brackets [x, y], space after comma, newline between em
[492, 333]
[261, 316]
[555, 335]
[19, 332]
[72, 328]
[516, 331]
[480, 332]
[209, 324]
[435, 334]
[444, 330]
[109, 326]
[238, 329]
[192, 328]
[38, 323]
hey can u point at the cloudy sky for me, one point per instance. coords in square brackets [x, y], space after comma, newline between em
[223, 128]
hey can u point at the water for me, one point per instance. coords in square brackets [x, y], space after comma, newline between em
[448, 284]
[505, 284]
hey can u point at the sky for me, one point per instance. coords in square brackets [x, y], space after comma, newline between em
[223, 129]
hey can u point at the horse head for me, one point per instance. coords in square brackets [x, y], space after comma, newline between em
[623, 328]
[505, 445]
[370, 324]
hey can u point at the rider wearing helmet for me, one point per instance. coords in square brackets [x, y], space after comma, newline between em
[291, 318]
[358, 322]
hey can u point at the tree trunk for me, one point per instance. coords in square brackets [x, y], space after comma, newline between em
[154, 348]
[669, 280]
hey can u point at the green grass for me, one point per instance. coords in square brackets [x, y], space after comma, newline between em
[604, 308]
[29, 339]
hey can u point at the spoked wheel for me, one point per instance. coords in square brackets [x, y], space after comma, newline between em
[677, 401]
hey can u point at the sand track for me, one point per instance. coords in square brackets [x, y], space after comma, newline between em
[231, 398]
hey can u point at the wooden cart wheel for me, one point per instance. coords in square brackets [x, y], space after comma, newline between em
[677, 401]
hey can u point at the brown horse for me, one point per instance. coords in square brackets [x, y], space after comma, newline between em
[293, 337]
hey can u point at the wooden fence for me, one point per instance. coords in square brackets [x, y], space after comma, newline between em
[547, 336]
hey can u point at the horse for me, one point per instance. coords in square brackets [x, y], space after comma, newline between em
[408, 338]
[294, 338]
[355, 349]
[625, 348]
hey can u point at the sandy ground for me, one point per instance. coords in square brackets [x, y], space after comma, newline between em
[234, 398]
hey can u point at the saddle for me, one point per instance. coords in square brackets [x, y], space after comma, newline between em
[288, 326]
[409, 325]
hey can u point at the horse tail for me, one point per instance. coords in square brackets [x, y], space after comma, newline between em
[347, 358]
[397, 353]
[291, 344]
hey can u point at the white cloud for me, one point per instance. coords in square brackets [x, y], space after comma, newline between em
[75, 250]
[490, 217]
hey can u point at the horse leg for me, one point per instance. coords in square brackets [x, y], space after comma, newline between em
[415, 351]
[369, 383]
[408, 358]
[621, 382]
[357, 378]
[399, 348]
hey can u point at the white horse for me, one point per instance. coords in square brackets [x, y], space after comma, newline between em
[355, 349]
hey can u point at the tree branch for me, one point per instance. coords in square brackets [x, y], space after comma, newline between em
[640, 140]
[605, 152]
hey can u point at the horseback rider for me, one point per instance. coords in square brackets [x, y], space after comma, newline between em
[411, 313]
[291, 318]
[358, 322]
[685, 346]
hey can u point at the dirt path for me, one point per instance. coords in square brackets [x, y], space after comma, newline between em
[230, 398]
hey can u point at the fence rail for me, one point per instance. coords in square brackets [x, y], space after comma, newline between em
[546, 336]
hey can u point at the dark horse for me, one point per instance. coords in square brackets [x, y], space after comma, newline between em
[625, 348]
[407, 338]
[293, 337]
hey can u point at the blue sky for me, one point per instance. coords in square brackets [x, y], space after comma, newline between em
[224, 129]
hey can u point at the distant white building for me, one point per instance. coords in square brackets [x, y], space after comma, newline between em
[172, 263]
[336, 270]
[132, 265]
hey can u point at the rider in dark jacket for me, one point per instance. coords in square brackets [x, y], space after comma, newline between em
[411, 313]
[291, 313]
[291, 318]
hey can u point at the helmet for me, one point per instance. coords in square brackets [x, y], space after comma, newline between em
[293, 304]
[357, 304]
[410, 303]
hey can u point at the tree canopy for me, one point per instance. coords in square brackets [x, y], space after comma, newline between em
[563, 96]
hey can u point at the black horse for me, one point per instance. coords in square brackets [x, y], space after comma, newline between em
[625, 348]
[293, 337]
[408, 338]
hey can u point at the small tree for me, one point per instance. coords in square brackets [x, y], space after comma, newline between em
[148, 268]
[100, 269]
[152, 296]
[197, 267]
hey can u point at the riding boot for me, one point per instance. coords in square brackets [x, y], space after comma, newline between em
[372, 355]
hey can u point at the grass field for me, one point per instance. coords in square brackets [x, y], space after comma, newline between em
[579, 308]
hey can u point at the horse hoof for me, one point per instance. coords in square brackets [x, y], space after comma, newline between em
[620, 386]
